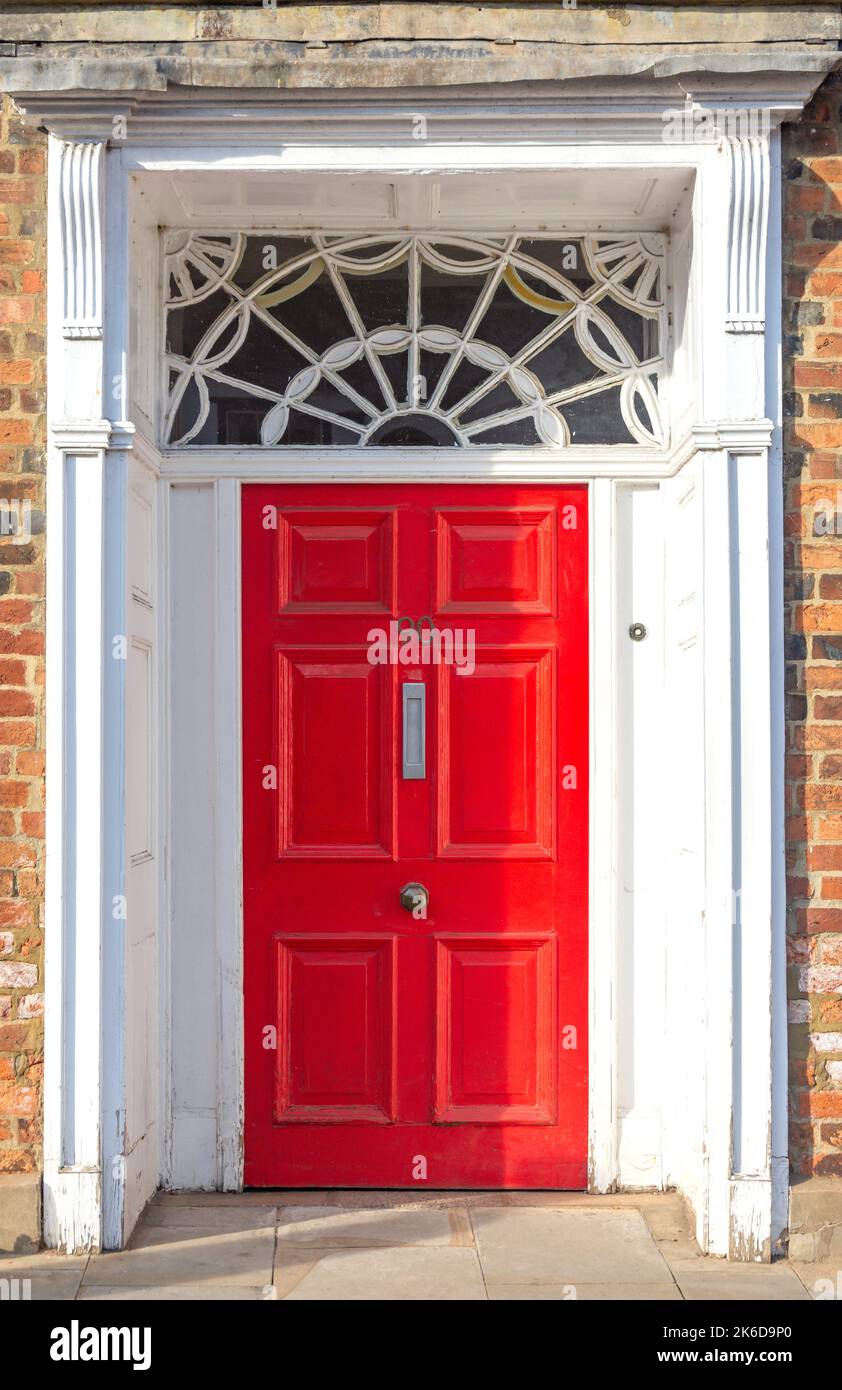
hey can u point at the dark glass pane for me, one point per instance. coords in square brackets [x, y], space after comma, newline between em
[465, 379]
[382, 300]
[510, 323]
[521, 431]
[500, 397]
[563, 364]
[449, 300]
[265, 359]
[414, 429]
[566, 258]
[597, 419]
[187, 326]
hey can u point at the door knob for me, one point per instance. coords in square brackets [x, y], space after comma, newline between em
[414, 897]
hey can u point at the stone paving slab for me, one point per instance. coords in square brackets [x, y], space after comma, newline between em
[160, 1257]
[51, 1276]
[365, 1227]
[713, 1279]
[215, 1218]
[261, 1198]
[823, 1282]
[46, 1285]
[426, 1273]
[519, 1245]
[584, 1293]
[405, 1199]
[45, 1261]
[183, 1293]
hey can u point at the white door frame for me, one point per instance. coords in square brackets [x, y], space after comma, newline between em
[733, 431]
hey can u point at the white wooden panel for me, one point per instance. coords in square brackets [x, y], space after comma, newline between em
[142, 1014]
[643, 789]
[602, 882]
[193, 963]
[683, 832]
[139, 751]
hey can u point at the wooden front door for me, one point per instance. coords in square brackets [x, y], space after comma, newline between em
[441, 1042]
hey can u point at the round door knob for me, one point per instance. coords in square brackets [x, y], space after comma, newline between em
[414, 898]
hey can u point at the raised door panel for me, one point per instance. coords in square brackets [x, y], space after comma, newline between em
[333, 562]
[495, 561]
[334, 727]
[334, 1029]
[496, 777]
[496, 1029]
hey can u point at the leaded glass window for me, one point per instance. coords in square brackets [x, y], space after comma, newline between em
[389, 339]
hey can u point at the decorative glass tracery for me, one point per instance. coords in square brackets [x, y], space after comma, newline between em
[396, 339]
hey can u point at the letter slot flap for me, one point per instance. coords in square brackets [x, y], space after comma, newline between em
[414, 731]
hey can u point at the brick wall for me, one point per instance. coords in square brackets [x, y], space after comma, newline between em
[22, 439]
[813, 559]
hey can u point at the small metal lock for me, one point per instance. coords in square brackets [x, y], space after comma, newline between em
[637, 632]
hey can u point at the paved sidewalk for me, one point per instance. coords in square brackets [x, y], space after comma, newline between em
[399, 1246]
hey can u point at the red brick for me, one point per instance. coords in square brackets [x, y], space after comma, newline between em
[16, 733]
[817, 374]
[15, 431]
[14, 252]
[821, 1104]
[14, 793]
[31, 162]
[824, 797]
[17, 1100]
[30, 762]
[824, 857]
[16, 373]
[17, 308]
[26, 643]
[829, 170]
[14, 854]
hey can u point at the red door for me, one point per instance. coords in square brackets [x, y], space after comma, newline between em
[385, 1047]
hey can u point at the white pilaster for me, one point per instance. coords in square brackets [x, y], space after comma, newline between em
[85, 794]
[741, 687]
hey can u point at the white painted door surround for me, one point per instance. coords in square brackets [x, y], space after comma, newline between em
[143, 1013]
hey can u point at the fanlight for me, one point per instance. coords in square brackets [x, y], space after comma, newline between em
[414, 340]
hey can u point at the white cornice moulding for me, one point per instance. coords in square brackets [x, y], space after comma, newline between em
[737, 436]
[81, 201]
[91, 436]
[748, 222]
[545, 113]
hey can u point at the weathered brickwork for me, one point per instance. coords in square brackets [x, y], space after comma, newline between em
[22, 441]
[813, 551]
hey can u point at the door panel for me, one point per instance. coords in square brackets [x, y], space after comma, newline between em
[491, 807]
[386, 1048]
[496, 1030]
[345, 981]
[333, 718]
